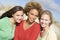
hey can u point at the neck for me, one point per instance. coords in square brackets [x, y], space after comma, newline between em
[27, 21]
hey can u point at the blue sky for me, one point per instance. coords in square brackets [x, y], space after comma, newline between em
[52, 5]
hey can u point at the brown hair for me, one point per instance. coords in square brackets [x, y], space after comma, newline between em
[48, 13]
[12, 11]
[33, 5]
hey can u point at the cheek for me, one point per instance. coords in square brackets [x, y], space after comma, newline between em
[16, 18]
[21, 18]
[47, 23]
[29, 16]
[41, 21]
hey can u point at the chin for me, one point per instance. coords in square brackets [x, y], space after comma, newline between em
[31, 21]
[18, 21]
[43, 26]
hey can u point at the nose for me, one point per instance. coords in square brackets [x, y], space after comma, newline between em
[43, 21]
[20, 18]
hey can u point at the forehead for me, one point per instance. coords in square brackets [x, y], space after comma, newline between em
[19, 12]
[34, 11]
[45, 16]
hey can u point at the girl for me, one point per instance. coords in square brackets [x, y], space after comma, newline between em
[29, 29]
[8, 22]
[45, 21]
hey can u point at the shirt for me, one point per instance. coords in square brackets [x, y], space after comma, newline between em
[29, 34]
[6, 30]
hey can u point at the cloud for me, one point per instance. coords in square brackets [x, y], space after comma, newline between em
[51, 4]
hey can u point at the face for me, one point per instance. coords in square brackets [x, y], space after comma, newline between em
[32, 15]
[18, 16]
[45, 20]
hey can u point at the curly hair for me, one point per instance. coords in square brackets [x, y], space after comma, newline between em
[33, 5]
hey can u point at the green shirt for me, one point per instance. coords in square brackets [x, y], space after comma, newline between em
[6, 30]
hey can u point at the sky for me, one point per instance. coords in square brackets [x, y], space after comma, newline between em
[52, 5]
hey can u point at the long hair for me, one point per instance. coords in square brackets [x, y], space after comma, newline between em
[12, 11]
[49, 14]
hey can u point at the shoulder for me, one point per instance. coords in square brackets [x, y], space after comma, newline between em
[51, 31]
[4, 20]
[52, 34]
[37, 26]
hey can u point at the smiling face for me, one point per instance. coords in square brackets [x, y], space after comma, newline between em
[18, 16]
[32, 15]
[45, 20]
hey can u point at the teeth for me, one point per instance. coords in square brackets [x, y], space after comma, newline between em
[43, 24]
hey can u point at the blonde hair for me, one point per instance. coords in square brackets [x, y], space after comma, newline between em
[33, 5]
[48, 13]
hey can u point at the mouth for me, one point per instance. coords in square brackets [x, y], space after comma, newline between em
[43, 25]
[31, 20]
[18, 20]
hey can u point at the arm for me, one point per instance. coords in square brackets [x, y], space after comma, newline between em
[3, 30]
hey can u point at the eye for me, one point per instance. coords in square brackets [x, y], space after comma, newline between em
[31, 13]
[21, 15]
[42, 19]
[46, 20]
[17, 15]
[36, 15]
